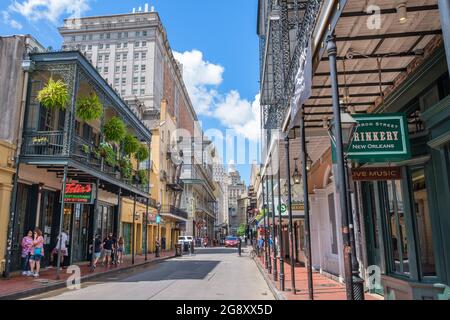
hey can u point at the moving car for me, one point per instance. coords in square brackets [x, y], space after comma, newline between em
[231, 242]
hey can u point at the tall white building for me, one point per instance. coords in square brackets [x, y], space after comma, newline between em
[129, 51]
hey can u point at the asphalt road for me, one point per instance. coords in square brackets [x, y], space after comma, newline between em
[209, 274]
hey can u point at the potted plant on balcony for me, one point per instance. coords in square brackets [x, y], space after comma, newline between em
[108, 153]
[114, 130]
[54, 95]
[85, 149]
[89, 108]
[142, 176]
[130, 144]
[126, 168]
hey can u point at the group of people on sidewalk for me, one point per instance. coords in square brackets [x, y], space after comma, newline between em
[112, 248]
[32, 244]
[32, 253]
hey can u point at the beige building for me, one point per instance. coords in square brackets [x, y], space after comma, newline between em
[13, 50]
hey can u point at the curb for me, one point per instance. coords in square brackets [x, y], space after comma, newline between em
[278, 295]
[62, 284]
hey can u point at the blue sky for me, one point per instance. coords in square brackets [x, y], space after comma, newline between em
[217, 37]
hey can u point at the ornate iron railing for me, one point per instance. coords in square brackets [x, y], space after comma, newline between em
[285, 70]
[43, 143]
[167, 209]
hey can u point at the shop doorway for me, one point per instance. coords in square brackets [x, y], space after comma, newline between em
[79, 235]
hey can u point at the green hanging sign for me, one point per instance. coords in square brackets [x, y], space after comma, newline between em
[379, 138]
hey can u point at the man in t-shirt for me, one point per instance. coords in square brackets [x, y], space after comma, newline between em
[108, 246]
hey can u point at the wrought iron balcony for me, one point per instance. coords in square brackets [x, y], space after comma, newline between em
[177, 185]
[173, 211]
[43, 144]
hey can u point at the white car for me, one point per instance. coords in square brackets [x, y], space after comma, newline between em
[184, 239]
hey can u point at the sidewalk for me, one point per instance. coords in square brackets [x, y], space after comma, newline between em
[18, 286]
[324, 287]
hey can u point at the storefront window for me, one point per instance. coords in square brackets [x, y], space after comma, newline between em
[424, 230]
[397, 228]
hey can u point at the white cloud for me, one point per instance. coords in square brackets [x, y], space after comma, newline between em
[6, 17]
[202, 79]
[51, 10]
[240, 115]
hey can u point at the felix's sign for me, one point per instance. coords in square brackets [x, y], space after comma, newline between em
[380, 138]
[78, 193]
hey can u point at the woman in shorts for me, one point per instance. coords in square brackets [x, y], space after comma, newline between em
[120, 249]
[37, 252]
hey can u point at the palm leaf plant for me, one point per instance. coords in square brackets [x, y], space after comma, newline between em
[54, 95]
[114, 130]
[89, 108]
[130, 144]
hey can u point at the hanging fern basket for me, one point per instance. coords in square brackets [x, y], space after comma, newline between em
[114, 130]
[130, 144]
[142, 153]
[89, 108]
[54, 95]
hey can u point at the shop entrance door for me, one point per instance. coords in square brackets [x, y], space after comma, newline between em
[126, 227]
[80, 232]
[372, 219]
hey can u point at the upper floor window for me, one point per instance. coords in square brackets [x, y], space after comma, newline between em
[90, 37]
[72, 38]
[106, 57]
[100, 57]
[136, 44]
[108, 36]
[124, 56]
[100, 46]
[90, 47]
[102, 36]
[124, 68]
[106, 70]
[138, 33]
[144, 43]
[136, 68]
[143, 67]
[118, 56]
[117, 68]
[107, 46]
[144, 33]
[142, 79]
[84, 37]
[144, 55]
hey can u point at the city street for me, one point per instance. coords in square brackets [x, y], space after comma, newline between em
[209, 274]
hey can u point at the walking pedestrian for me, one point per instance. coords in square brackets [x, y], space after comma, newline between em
[120, 250]
[108, 245]
[97, 251]
[114, 250]
[27, 248]
[61, 243]
[37, 252]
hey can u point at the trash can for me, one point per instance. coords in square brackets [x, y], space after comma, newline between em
[178, 252]
[186, 247]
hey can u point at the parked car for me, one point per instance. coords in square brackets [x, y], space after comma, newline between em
[185, 239]
[231, 242]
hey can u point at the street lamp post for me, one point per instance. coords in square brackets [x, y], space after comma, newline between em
[291, 234]
[158, 222]
[280, 233]
[305, 167]
[275, 271]
[342, 132]
[267, 230]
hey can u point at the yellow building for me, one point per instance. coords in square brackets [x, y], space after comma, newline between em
[165, 188]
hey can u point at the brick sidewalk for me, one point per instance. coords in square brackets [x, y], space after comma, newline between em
[324, 287]
[18, 286]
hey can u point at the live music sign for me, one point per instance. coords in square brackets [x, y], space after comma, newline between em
[79, 193]
[377, 174]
